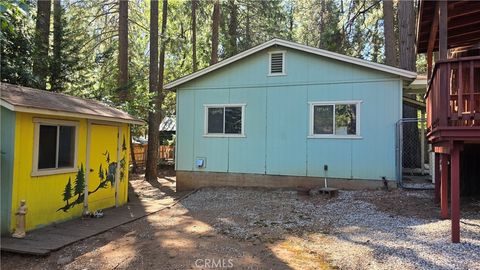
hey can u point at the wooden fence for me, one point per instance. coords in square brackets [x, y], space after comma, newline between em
[165, 152]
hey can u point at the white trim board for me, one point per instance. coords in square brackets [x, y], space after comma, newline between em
[407, 75]
[57, 170]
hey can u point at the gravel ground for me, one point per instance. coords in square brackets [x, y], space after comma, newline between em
[275, 229]
[356, 230]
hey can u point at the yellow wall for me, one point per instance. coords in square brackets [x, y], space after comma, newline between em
[44, 194]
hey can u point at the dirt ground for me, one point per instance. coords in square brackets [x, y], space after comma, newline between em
[229, 228]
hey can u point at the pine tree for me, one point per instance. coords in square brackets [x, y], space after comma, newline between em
[42, 33]
[80, 181]
[67, 193]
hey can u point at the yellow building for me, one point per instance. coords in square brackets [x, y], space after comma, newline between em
[63, 155]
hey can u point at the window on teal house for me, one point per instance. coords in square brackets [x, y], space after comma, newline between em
[335, 119]
[55, 148]
[224, 120]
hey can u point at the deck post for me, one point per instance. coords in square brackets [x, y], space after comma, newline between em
[455, 193]
[444, 186]
[437, 177]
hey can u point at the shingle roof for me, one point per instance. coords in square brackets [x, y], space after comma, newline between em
[26, 99]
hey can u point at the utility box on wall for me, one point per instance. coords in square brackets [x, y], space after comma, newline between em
[200, 162]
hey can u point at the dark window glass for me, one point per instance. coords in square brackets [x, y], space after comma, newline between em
[233, 120]
[345, 119]
[323, 119]
[215, 120]
[47, 147]
[66, 146]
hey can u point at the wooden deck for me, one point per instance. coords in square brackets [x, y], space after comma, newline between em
[53, 237]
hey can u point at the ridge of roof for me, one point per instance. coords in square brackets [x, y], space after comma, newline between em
[409, 75]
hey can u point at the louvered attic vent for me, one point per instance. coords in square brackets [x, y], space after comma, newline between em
[276, 63]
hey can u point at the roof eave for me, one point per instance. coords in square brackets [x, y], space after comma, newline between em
[25, 109]
[406, 75]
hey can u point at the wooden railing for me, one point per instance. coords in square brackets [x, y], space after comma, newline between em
[455, 101]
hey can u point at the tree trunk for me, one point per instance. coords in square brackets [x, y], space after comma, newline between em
[158, 114]
[194, 35]
[389, 34]
[42, 32]
[406, 21]
[161, 63]
[232, 29]
[291, 21]
[153, 123]
[321, 25]
[215, 25]
[56, 63]
[123, 50]
[248, 34]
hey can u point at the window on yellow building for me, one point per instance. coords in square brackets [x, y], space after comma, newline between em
[55, 146]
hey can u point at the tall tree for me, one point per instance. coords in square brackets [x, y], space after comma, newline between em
[194, 35]
[42, 32]
[153, 123]
[123, 50]
[161, 63]
[56, 63]
[232, 28]
[389, 33]
[406, 20]
[215, 25]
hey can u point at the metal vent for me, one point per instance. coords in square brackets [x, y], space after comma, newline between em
[276, 63]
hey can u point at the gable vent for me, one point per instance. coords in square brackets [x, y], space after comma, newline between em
[276, 63]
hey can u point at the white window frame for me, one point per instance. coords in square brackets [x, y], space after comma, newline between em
[333, 103]
[284, 72]
[53, 122]
[223, 135]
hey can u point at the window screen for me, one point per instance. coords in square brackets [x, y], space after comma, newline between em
[335, 119]
[47, 147]
[56, 146]
[224, 120]
[323, 119]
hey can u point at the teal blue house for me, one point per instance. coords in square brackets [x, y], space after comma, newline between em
[284, 114]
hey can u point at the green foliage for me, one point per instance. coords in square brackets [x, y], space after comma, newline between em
[16, 26]
[86, 65]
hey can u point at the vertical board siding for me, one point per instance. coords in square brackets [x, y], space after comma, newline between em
[214, 150]
[277, 119]
[7, 149]
[286, 130]
[185, 130]
[248, 154]
[44, 194]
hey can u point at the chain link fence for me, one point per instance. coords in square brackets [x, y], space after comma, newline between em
[414, 160]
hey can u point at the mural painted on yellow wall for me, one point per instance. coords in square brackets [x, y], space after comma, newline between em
[107, 176]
